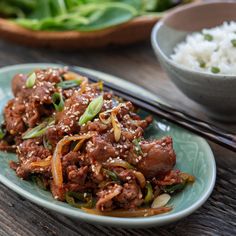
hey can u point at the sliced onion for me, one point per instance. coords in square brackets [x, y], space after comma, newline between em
[140, 177]
[116, 127]
[80, 143]
[120, 163]
[43, 163]
[161, 200]
[104, 120]
[73, 76]
[83, 85]
[56, 160]
[99, 84]
[107, 114]
[109, 196]
[142, 212]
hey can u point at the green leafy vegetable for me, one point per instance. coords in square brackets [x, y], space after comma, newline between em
[58, 101]
[92, 110]
[81, 15]
[30, 82]
[69, 84]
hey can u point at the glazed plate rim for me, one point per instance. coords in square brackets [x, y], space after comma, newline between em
[105, 220]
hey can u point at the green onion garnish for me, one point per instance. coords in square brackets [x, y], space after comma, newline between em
[149, 196]
[86, 198]
[69, 84]
[2, 133]
[38, 130]
[39, 181]
[58, 102]
[208, 37]
[233, 41]
[137, 147]
[202, 64]
[111, 174]
[30, 82]
[174, 188]
[92, 110]
[215, 70]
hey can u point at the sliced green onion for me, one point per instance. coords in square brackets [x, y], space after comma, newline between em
[2, 133]
[233, 41]
[149, 196]
[111, 175]
[137, 147]
[30, 82]
[39, 181]
[174, 188]
[92, 110]
[58, 102]
[87, 199]
[38, 130]
[208, 37]
[215, 70]
[46, 143]
[69, 84]
[202, 63]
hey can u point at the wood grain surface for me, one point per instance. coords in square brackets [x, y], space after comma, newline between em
[136, 30]
[139, 65]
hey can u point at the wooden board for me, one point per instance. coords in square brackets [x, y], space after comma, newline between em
[131, 32]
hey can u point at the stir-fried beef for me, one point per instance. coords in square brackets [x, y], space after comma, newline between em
[86, 141]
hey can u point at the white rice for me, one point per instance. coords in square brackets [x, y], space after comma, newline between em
[211, 50]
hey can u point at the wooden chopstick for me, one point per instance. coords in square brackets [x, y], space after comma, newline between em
[200, 127]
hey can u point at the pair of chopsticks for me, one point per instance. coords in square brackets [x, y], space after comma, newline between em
[200, 127]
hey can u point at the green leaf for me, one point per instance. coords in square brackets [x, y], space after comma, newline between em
[92, 110]
[30, 82]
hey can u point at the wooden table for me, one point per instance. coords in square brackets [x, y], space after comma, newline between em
[137, 64]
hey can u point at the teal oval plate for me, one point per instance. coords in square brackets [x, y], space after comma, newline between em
[193, 156]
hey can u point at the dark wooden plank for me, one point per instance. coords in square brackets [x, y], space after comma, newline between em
[137, 64]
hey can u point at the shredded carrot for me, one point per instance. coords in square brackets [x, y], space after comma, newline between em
[140, 177]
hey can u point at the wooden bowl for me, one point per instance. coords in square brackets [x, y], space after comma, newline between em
[133, 31]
